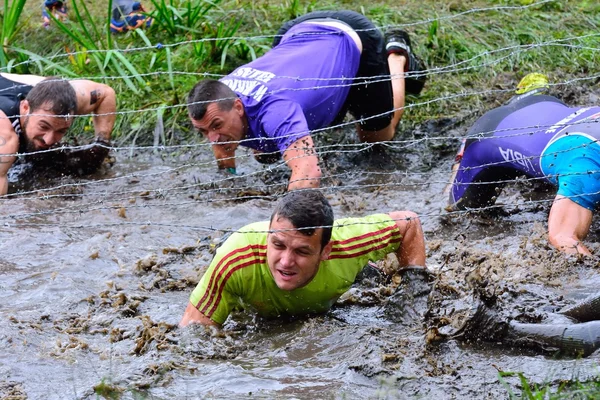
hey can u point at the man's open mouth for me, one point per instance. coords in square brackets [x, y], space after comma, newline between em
[286, 273]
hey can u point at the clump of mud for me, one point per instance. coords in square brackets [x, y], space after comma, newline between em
[12, 391]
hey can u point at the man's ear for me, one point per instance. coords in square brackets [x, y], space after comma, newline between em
[238, 106]
[326, 251]
[24, 107]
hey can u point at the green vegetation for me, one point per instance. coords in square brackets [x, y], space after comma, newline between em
[11, 23]
[573, 389]
[471, 47]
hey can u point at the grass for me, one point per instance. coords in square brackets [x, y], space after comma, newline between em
[470, 52]
[572, 389]
[11, 24]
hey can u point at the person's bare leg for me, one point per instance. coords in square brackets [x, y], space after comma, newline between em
[396, 64]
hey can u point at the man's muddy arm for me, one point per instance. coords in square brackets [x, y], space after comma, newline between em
[568, 224]
[412, 249]
[9, 144]
[193, 316]
[302, 159]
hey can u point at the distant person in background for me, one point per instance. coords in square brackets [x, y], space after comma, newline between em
[538, 136]
[322, 65]
[128, 15]
[56, 8]
[37, 112]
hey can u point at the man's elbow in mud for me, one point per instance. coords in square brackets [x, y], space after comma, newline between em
[192, 315]
[412, 249]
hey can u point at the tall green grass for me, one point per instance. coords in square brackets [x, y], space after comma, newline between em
[10, 19]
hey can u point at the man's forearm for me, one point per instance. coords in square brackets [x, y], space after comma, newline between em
[304, 180]
[193, 316]
[412, 247]
[302, 159]
[225, 155]
[3, 185]
[105, 114]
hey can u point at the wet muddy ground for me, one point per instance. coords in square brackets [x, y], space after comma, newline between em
[96, 273]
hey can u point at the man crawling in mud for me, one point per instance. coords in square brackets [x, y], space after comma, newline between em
[322, 65]
[301, 261]
[538, 136]
[36, 112]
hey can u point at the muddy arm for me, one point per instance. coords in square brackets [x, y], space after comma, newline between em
[568, 224]
[193, 316]
[412, 250]
[302, 159]
[9, 144]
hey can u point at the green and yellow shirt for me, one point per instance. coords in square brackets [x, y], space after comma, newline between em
[239, 275]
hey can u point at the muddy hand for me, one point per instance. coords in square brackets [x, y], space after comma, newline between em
[88, 160]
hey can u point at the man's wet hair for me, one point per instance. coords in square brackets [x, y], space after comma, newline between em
[207, 92]
[306, 209]
[53, 94]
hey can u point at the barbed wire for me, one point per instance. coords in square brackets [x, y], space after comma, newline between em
[98, 205]
[484, 135]
[421, 216]
[450, 68]
[333, 149]
[272, 36]
[374, 79]
[341, 125]
[199, 187]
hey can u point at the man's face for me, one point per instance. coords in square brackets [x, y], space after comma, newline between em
[293, 257]
[222, 126]
[44, 129]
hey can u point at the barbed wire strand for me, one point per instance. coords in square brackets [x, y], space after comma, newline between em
[258, 37]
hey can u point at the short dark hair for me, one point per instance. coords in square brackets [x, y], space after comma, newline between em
[306, 209]
[207, 91]
[53, 92]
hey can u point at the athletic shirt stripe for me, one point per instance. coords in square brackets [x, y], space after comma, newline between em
[375, 238]
[219, 277]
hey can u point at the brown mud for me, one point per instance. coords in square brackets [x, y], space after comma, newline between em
[96, 273]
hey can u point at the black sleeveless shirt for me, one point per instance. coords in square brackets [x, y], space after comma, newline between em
[11, 94]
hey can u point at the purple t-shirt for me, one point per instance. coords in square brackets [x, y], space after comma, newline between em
[298, 86]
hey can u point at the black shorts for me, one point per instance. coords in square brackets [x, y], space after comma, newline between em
[371, 93]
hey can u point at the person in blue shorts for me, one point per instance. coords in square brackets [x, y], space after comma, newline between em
[538, 136]
[56, 8]
[128, 15]
[322, 65]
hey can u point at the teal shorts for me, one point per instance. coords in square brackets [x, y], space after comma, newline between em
[572, 163]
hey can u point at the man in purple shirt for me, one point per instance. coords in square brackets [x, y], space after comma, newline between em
[322, 65]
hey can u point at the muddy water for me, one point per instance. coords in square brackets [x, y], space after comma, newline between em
[95, 275]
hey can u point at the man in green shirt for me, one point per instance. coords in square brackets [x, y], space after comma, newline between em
[301, 261]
